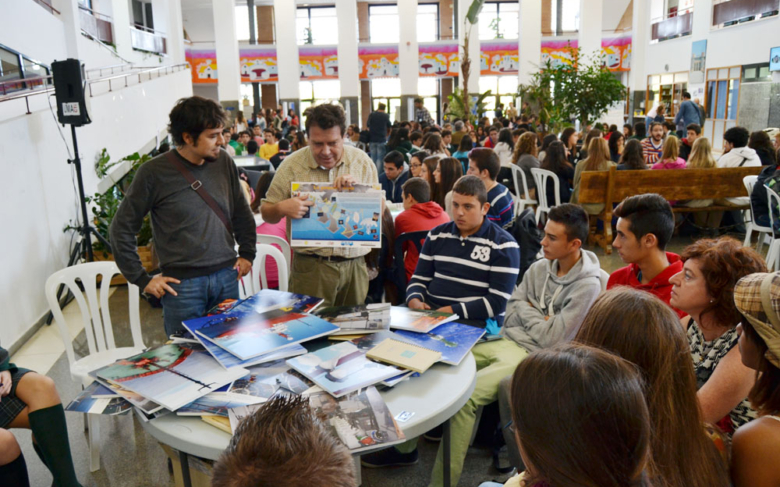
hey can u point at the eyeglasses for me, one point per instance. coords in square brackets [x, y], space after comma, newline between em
[415, 165]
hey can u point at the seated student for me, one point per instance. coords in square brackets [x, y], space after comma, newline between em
[597, 160]
[271, 146]
[756, 446]
[415, 138]
[226, 137]
[632, 158]
[416, 163]
[252, 148]
[30, 400]
[394, 177]
[704, 289]
[284, 151]
[670, 158]
[555, 160]
[462, 154]
[283, 443]
[762, 144]
[484, 164]
[420, 213]
[684, 452]
[580, 418]
[278, 229]
[448, 171]
[644, 227]
[737, 154]
[759, 203]
[236, 145]
[653, 146]
[686, 144]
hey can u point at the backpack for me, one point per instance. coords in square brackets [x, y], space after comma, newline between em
[529, 237]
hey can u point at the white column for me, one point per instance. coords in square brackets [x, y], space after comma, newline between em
[226, 42]
[287, 51]
[69, 13]
[120, 12]
[590, 27]
[408, 51]
[168, 20]
[463, 27]
[349, 75]
[530, 48]
[640, 39]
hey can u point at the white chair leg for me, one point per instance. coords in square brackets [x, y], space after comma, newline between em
[748, 234]
[538, 213]
[94, 442]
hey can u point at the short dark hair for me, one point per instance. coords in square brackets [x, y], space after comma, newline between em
[251, 147]
[192, 116]
[648, 213]
[640, 129]
[417, 188]
[282, 443]
[395, 158]
[445, 133]
[284, 144]
[486, 159]
[653, 124]
[416, 135]
[574, 218]
[418, 100]
[270, 130]
[493, 128]
[695, 127]
[687, 95]
[471, 186]
[737, 136]
[326, 116]
[381, 106]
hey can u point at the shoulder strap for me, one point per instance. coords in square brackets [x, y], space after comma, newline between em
[744, 159]
[198, 187]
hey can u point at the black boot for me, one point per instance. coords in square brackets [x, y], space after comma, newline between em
[51, 432]
[14, 474]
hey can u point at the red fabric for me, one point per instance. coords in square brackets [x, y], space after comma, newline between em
[659, 286]
[489, 143]
[277, 230]
[422, 216]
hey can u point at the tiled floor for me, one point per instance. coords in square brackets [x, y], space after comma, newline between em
[130, 457]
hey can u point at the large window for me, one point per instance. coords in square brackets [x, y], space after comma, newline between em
[317, 25]
[142, 15]
[566, 19]
[427, 22]
[721, 103]
[316, 92]
[387, 91]
[242, 23]
[383, 24]
[666, 9]
[14, 66]
[503, 90]
[428, 90]
[499, 20]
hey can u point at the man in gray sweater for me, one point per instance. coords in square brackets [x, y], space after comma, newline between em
[195, 244]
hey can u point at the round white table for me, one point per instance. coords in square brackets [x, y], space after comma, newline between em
[433, 398]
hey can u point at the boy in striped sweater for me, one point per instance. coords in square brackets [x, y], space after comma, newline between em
[485, 164]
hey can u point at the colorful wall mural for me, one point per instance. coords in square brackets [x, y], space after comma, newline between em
[497, 57]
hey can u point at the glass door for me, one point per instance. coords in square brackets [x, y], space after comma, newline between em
[721, 103]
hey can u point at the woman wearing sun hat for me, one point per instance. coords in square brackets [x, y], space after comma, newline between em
[756, 445]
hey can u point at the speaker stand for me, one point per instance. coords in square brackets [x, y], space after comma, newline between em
[84, 242]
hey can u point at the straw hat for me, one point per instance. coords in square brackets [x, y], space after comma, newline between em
[757, 297]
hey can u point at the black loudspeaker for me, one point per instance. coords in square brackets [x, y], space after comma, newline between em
[69, 91]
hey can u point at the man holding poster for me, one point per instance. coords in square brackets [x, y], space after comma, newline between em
[336, 274]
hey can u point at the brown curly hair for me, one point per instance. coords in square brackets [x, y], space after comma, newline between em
[723, 262]
[525, 145]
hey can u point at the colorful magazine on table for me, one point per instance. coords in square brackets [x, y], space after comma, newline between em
[268, 299]
[268, 380]
[145, 405]
[350, 217]
[170, 375]
[360, 420]
[90, 401]
[228, 360]
[454, 340]
[355, 320]
[418, 320]
[217, 404]
[248, 333]
[342, 368]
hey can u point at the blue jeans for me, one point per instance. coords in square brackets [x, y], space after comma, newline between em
[378, 151]
[196, 296]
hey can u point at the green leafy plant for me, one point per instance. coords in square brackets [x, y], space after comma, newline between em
[472, 17]
[459, 109]
[583, 89]
[495, 27]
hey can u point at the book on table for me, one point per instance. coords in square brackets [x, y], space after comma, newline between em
[418, 320]
[355, 320]
[404, 355]
[249, 332]
[171, 375]
[268, 299]
[146, 406]
[454, 340]
[341, 368]
[97, 399]
[271, 379]
[217, 404]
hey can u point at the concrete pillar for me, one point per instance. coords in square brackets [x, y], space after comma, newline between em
[408, 57]
[69, 13]
[637, 76]
[365, 101]
[228, 64]
[168, 20]
[462, 27]
[347, 15]
[590, 27]
[121, 19]
[530, 48]
[287, 55]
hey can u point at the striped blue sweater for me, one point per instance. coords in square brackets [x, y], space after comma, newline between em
[502, 206]
[475, 275]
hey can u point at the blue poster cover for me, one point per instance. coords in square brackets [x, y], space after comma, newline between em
[342, 218]
[453, 340]
[170, 375]
[217, 404]
[97, 399]
[247, 333]
[342, 368]
[267, 299]
[228, 360]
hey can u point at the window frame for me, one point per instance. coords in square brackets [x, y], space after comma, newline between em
[309, 8]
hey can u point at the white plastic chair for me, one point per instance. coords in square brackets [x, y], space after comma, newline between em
[282, 243]
[97, 327]
[604, 278]
[540, 179]
[773, 254]
[752, 226]
[256, 279]
[521, 199]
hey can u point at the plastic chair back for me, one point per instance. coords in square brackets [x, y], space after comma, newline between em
[94, 309]
[283, 244]
[518, 177]
[256, 280]
[540, 179]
